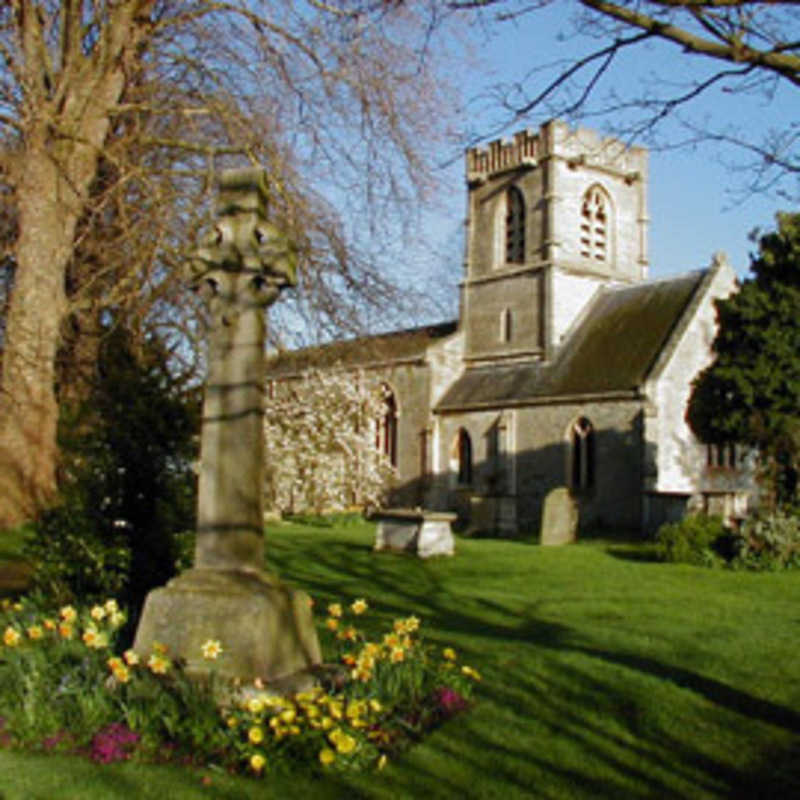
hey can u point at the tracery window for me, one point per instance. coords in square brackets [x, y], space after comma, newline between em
[582, 455]
[721, 456]
[595, 212]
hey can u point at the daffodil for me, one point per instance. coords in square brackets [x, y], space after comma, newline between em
[255, 705]
[257, 762]
[122, 674]
[331, 623]
[97, 613]
[111, 606]
[68, 614]
[335, 610]
[131, 658]
[11, 637]
[35, 632]
[326, 757]
[211, 649]
[359, 606]
[158, 663]
[449, 653]
[471, 673]
[116, 619]
[256, 734]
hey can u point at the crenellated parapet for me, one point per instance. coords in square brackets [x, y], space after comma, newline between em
[555, 139]
[501, 155]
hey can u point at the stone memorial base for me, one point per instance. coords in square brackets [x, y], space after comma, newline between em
[423, 533]
[265, 628]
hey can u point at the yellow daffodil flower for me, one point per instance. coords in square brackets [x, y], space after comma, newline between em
[11, 637]
[359, 606]
[211, 649]
[257, 762]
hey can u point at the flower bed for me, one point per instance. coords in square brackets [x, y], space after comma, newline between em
[63, 687]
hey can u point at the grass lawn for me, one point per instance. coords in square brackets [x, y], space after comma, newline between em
[606, 675]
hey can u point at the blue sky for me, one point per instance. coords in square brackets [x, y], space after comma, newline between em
[697, 205]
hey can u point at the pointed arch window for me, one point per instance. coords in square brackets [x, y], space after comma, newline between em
[515, 226]
[386, 433]
[582, 455]
[595, 213]
[461, 458]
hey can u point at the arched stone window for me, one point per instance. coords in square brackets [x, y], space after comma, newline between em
[582, 456]
[515, 226]
[509, 228]
[461, 458]
[595, 224]
[386, 436]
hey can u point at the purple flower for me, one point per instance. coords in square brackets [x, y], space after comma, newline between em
[449, 700]
[115, 742]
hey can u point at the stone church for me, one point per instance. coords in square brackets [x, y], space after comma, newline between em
[566, 367]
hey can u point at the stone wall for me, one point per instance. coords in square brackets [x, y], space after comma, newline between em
[539, 441]
[679, 459]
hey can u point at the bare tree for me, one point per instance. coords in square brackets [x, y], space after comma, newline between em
[739, 47]
[114, 118]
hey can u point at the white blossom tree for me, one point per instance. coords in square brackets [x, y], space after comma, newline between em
[322, 439]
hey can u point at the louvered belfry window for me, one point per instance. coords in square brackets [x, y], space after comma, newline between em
[515, 226]
[594, 225]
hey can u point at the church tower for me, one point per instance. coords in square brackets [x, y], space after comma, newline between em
[552, 217]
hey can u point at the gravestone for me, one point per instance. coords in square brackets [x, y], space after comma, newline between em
[265, 627]
[559, 517]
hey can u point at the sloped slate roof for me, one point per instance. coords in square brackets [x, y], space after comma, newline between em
[612, 349]
[403, 345]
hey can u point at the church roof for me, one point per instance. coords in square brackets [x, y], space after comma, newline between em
[397, 346]
[612, 350]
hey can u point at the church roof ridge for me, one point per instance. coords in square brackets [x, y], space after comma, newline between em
[397, 345]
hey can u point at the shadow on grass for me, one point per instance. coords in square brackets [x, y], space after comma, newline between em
[559, 714]
[639, 553]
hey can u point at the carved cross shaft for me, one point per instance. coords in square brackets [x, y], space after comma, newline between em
[239, 270]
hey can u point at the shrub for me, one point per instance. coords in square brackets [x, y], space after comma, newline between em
[768, 541]
[690, 541]
[127, 482]
[77, 552]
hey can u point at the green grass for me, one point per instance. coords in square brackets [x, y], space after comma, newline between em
[606, 675]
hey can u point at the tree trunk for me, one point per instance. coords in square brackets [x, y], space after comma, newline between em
[67, 117]
[28, 408]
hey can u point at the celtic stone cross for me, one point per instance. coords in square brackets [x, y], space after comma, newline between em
[265, 626]
[239, 270]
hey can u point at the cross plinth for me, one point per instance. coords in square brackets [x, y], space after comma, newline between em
[265, 628]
